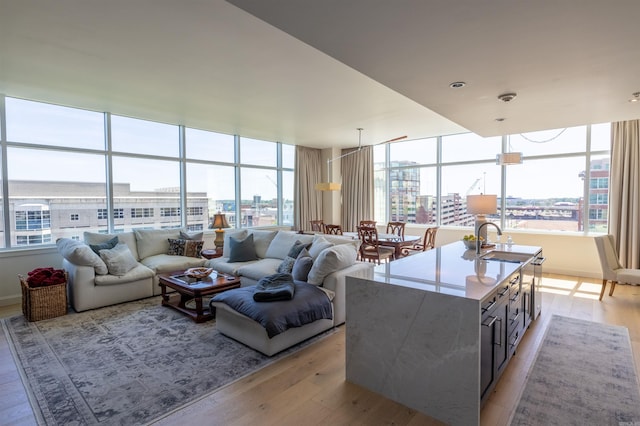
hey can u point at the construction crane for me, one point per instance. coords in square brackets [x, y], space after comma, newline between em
[472, 187]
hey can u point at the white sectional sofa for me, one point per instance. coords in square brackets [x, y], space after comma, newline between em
[91, 285]
[332, 265]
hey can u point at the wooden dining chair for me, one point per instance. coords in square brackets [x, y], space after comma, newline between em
[396, 228]
[370, 248]
[612, 270]
[333, 229]
[368, 223]
[427, 243]
[317, 225]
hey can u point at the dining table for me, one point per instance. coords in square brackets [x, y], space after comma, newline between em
[390, 240]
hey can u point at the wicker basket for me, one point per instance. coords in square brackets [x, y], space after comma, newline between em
[40, 303]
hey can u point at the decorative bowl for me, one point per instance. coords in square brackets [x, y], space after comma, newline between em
[470, 244]
[198, 272]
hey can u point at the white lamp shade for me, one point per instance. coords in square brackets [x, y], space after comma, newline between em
[482, 204]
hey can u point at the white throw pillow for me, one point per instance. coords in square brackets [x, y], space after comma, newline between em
[319, 243]
[119, 259]
[80, 254]
[330, 260]
[283, 241]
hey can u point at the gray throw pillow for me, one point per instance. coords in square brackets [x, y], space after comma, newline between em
[195, 236]
[102, 246]
[302, 266]
[242, 250]
[119, 259]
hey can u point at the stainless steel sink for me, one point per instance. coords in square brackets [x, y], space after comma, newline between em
[506, 256]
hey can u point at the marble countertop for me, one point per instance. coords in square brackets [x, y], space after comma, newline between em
[452, 269]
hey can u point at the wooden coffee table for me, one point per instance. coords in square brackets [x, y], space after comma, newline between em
[188, 288]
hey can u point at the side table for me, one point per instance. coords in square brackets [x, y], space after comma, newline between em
[211, 253]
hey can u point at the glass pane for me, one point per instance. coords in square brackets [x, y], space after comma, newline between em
[537, 199]
[287, 198]
[216, 184]
[288, 156]
[469, 147]
[2, 231]
[413, 195]
[379, 195]
[45, 124]
[144, 137]
[558, 141]
[420, 151]
[54, 194]
[601, 137]
[598, 195]
[260, 153]
[259, 197]
[379, 155]
[143, 183]
[460, 181]
[203, 145]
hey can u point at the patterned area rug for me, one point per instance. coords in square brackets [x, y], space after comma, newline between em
[583, 374]
[125, 364]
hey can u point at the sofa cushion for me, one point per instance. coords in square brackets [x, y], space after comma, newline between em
[138, 273]
[109, 244]
[283, 241]
[242, 250]
[236, 233]
[287, 263]
[302, 266]
[319, 243]
[119, 259]
[258, 269]
[189, 248]
[162, 263]
[222, 264]
[154, 241]
[261, 240]
[80, 254]
[330, 260]
[124, 237]
[196, 236]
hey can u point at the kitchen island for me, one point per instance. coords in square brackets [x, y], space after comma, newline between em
[435, 330]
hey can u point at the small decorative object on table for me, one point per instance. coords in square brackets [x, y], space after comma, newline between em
[211, 253]
[198, 272]
[470, 241]
[44, 294]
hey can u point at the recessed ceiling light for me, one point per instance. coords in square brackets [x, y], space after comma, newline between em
[500, 119]
[507, 97]
[636, 97]
[457, 84]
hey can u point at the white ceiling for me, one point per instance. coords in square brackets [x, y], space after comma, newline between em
[207, 64]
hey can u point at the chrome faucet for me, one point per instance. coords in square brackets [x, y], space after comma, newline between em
[478, 242]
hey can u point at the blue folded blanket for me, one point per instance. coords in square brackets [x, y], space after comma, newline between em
[274, 287]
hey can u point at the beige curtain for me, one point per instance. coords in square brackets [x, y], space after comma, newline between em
[624, 191]
[357, 187]
[308, 202]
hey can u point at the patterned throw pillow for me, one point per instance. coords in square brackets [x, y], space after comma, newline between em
[180, 247]
[287, 264]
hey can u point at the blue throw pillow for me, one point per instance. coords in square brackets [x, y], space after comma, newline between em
[242, 250]
[302, 266]
[107, 245]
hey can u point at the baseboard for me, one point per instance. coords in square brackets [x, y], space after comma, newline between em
[572, 272]
[10, 300]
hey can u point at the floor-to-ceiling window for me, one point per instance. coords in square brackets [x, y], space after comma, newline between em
[561, 185]
[70, 170]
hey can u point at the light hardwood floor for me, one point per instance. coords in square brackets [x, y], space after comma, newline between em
[309, 387]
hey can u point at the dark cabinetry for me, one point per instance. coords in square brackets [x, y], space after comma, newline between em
[494, 351]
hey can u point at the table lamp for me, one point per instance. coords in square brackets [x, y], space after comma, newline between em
[481, 205]
[219, 222]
